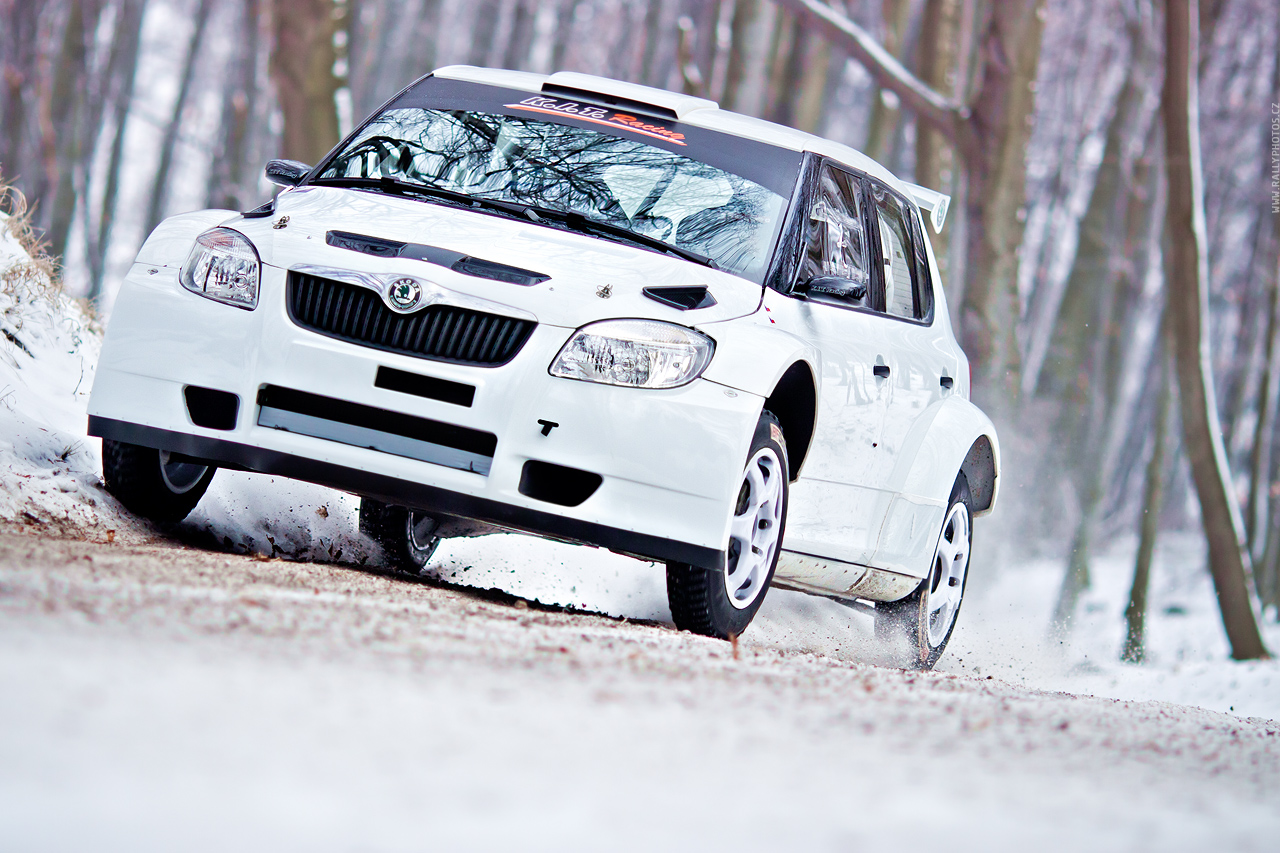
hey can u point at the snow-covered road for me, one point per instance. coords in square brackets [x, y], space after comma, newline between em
[159, 697]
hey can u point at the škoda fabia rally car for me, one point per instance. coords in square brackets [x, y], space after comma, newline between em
[585, 310]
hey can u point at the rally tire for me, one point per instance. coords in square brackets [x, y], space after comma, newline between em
[155, 484]
[921, 624]
[721, 603]
[406, 536]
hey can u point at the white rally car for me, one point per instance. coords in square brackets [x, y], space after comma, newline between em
[583, 309]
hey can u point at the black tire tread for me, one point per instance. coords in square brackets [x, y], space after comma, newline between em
[386, 525]
[690, 588]
[901, 619]
[132, 475]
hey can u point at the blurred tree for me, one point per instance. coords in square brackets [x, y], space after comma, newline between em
[67, 135]
[895, 16]
[992, 135]
[160, 184]
[121, 74]
[302, 60]
[229, 171]
[1135, 612]
[1101, 294]
[1188, 304]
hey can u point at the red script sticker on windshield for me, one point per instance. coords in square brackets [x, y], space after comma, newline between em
[598, 115]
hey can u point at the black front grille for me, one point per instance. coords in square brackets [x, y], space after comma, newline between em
[440, 332]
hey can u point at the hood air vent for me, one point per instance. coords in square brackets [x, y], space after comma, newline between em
[684, 298]
[456, 261]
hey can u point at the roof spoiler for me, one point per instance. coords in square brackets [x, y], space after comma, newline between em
[932, 201]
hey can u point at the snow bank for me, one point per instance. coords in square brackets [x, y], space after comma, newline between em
[48, 468]
[49, 475]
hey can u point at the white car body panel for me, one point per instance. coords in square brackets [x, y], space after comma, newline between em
[865, 510]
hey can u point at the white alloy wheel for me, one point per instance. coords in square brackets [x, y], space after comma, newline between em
[946, 584]
[755, 528]
[180, 476]
[420, 530]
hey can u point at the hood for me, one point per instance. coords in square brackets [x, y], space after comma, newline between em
[587, 278]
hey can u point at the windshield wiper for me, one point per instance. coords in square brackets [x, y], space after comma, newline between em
[600, 228]
[571, 219]
[391, 186]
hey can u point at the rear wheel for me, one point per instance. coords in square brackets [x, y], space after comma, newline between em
[721, 603]
[926, 618]
[407, 536]
[158, 485]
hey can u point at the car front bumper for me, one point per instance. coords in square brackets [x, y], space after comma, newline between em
[670, 461]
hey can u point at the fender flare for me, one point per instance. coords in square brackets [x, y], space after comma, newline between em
[753, 357]
[952, 436]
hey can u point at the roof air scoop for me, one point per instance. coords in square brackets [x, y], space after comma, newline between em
[672, 106]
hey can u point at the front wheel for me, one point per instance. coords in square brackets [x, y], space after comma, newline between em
[158, 485]
[722, 603]
[926, 618]
[407, 536]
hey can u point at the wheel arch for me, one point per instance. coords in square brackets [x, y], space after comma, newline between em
[951, 437]
[979, 469]
[794, 401]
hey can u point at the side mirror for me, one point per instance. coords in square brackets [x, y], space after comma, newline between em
[286, 173]
[838, 286]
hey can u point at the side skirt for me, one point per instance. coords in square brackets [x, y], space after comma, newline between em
[871, 584]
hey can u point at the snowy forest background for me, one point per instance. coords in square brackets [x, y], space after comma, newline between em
[1041, 117]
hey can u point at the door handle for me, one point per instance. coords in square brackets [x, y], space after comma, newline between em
[881, 371]
[947, 382]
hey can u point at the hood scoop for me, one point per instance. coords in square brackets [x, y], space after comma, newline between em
[456, 261]
[683, 298]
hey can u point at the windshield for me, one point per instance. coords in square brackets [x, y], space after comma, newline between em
[562, 168]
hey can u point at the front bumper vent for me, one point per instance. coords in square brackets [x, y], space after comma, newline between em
[377, 429]
[439, 332]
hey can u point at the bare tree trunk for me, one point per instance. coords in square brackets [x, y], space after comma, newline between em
[1188, 301]
[943, 65]
[18, 31]
[939, 58]
[160, 188]
[783, 68]
[71, 133]
[1135, 612]
[693, 78]
[992, 138]
[521, 37]
[997, 173]
[128, 37]
[884, 116]
[815, 61]
[745, 13]
[227, 171]
[302, 57]
[1259, 453]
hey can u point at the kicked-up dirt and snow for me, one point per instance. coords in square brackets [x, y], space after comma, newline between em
[255, 679]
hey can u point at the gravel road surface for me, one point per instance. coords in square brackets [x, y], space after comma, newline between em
[155, 696]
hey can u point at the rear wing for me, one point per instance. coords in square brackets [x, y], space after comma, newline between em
[932, 202]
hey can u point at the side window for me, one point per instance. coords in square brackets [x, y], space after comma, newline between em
[897, 253]
[836, 261]
[924, 278]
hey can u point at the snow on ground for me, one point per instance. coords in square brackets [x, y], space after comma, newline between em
[49, 476]
[166, 698]
[47, 356]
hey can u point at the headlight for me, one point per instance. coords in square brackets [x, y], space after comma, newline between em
[223, 266]
[635, 353]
